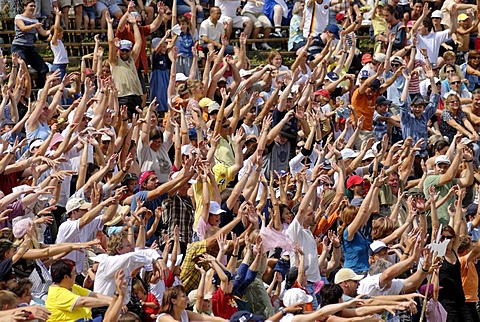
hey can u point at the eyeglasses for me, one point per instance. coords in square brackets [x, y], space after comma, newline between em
[475, 57]
[455, 83]
[454, 102]
[445, 237]
[327, 184]
[450, 71]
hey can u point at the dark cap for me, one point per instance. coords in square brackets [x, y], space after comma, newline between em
[245, 316]
[5, 245]
[418, 100]
[415, 192]
[130, 176]
[375, 85]
[287, 132]
[334, 29]
[381, 100]
[472, 209]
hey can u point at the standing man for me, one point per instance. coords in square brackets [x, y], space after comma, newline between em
[395, 27]
[315, 15]
[122, 56]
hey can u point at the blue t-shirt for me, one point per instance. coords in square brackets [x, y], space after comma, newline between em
[151, 205]
[356, 252]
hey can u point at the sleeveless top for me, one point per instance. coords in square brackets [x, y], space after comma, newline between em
[42, 131]
[126, 77]
[183, 316]
[25, 38]
[450, 278]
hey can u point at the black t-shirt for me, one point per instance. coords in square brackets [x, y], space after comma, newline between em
[6, 269]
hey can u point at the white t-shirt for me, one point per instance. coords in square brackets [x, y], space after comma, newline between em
[109, 265]
[316, 18]
[250, 130]
[370, 286]
[431, 43]
[70, 232]
[228, 7]
[305, 239]
[158, 161]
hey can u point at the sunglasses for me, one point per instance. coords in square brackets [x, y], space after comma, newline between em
[455, 83]
[327, 184]
[226, 126]
[395, 65]
[168, 13]
[445, 237]
[454, 102]
[475, 57]
[450, 71]
[125, 50]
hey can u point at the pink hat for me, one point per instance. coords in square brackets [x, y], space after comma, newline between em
[410, 23]
[57, 138]
[21, 226]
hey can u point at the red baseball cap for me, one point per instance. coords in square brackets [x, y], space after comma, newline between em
[340, 16]
[354, 181]
[323, 92]
[366, 58]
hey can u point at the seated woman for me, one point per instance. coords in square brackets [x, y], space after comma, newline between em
[67, 301]
[175, 302]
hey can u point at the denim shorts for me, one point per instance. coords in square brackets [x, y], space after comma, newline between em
[89, 12]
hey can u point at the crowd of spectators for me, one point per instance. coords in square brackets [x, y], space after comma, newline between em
[171, 180]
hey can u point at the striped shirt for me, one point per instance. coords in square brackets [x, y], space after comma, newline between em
[417, 127]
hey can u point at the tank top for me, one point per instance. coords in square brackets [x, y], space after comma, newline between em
[183, 316]
[126, 77]
[450, 278]
[42, 131]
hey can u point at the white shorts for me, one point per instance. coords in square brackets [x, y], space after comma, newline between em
[238, 21]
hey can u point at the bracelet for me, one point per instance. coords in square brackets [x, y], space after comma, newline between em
[60, 90]
[424, 270]
[283, 311]
[15, 66]
[336, 246]
[116, 294]
[123, 170]
[236, 256]
[408, 254]
[312, 82]
[468, 161]
[102, 92]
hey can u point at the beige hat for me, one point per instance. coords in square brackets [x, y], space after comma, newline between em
[346, 274]
[77, 203]
[121, 210]
[192, 297]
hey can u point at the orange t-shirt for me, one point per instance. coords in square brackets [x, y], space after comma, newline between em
[364, 106]
[469, 280]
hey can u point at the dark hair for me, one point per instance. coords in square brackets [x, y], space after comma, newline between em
[282, 207]
[20, 287]
[331, 294]
[427, 22]
[5, 246]
[183, 19]
[91, 168]
[291, 277]
[391, 9]
[476, 91]
[156, 134]
[170, 295]
[61, 268]
[27, 2]
[450, 230]
[440, 145]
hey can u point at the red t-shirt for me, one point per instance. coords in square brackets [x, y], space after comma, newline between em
[223, 305]
[151, 310]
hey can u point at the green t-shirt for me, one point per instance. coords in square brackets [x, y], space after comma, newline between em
[442, 211]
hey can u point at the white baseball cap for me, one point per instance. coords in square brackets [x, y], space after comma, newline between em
[215, 208]
[295, 296]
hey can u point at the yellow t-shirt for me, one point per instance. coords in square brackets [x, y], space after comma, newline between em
[60, 302]
[380, 25]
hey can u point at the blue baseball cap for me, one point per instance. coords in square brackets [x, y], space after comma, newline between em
[334, 29]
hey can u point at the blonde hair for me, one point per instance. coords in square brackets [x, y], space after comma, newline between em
[116, 242]
[382, 227]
